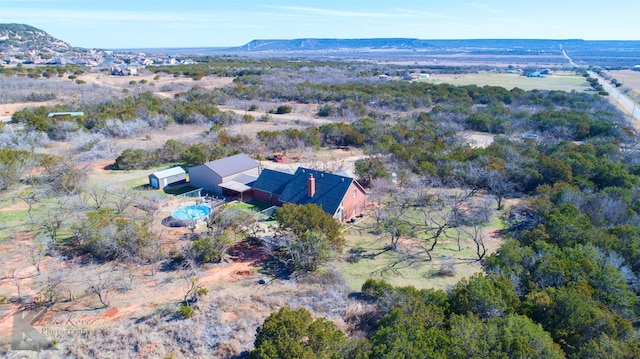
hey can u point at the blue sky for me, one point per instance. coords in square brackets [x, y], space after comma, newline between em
[210, 23]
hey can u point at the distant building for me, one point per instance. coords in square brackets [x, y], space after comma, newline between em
[63, 115]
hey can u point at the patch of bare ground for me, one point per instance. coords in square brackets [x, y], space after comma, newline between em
[479, 139]
[15, 206]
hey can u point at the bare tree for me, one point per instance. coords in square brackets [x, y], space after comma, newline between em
[442, 209]
[123, 199]
[51, 282]
[394, 205]
[55, 218]
[239, 222]
[98, 195]
[477, 236]
[331, 165]
[101, 283]
[16, 280]
[500, 187]
[35, 252]
[30, 198]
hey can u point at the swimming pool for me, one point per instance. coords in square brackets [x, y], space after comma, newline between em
[191, 212]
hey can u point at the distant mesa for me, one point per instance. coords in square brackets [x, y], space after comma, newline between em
[21, 43]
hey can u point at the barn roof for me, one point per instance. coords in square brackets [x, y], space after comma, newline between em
[231, 165]
[169, 172]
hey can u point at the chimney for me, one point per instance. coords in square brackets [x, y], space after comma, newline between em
[311, 186]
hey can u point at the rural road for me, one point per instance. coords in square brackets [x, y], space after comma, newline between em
[619, 99]
[564, 53]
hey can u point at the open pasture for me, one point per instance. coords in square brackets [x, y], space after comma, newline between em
[630, 80]
[562, 81]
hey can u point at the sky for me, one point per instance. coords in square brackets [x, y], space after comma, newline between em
[122, 24]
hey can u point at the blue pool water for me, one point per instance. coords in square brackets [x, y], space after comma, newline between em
[191, 212]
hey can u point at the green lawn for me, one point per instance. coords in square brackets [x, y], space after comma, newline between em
[250, 206]
[366, 256]
[253, 207]
[17, 220]
[13, 222]
[564, 81]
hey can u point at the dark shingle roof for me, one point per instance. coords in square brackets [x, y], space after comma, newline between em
[272, 181]
[330, 189]
[231, 165]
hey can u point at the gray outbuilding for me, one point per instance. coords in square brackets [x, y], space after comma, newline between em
[162, 179]
[232, 173]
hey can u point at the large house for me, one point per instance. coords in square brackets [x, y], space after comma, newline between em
[229, 176]
[340, 196]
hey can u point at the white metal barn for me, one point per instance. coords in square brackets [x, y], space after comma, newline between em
[161, 179]
[231, 173]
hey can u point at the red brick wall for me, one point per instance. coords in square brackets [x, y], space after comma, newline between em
[349, 202]
[264, 197]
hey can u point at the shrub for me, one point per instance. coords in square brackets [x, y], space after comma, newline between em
[284, 109]
[212, 249]
[266, 118]
[186, 311]
[326, 111]
[36, 97]
[376, 288]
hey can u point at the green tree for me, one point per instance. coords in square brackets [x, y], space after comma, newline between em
[310, 218]
[573, 317]
[212, 248]
[486, 296]
[369, 169]
[293, 334]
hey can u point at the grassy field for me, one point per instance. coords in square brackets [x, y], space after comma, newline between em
[630, 80]
[564, 81]
[366, 256]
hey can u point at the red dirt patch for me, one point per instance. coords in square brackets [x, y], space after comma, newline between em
[244, 252]
[110, 313]
[16, 206]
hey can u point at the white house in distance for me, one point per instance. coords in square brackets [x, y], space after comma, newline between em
[226, 176]
[161, 179]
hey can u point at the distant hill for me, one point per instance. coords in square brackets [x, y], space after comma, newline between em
[491, 45]
[334, 44]
[21, 38]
